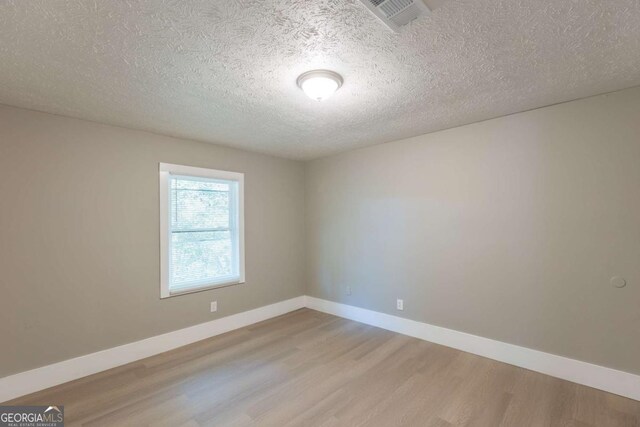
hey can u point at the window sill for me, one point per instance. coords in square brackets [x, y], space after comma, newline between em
[200, 288]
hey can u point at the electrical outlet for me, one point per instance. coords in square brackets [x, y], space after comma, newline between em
[400, 304]
[347, 290]
[214, 306]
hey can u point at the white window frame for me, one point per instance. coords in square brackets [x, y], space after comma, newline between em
[166, 170]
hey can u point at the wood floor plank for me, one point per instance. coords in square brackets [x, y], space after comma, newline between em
[312, 369]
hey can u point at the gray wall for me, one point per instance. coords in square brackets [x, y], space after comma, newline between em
[79, 239]
[508, 229]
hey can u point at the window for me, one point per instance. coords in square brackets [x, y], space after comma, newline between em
[201, 229]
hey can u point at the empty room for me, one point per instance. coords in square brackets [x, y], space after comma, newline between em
[320, 213]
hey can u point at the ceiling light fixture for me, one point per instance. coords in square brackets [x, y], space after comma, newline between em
[319, 84]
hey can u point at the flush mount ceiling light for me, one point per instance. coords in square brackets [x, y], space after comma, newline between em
[319, 84]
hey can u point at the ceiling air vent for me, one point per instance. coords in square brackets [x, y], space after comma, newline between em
[396, 13]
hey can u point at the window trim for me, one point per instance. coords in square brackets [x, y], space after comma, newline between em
[167, 169]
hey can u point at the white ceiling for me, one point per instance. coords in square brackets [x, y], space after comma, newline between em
[224, 71]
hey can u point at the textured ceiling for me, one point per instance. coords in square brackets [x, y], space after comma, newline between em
[224, 71]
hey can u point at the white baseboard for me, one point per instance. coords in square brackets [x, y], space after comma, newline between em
[48, 376]
[610, 380]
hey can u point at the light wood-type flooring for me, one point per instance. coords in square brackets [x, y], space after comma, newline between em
[312, 369]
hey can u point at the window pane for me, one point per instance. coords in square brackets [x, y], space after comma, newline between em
[200, 255]
[197, 205]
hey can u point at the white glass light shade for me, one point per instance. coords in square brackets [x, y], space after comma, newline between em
[319, 84]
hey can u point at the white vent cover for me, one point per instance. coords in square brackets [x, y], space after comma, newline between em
[396, 13]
